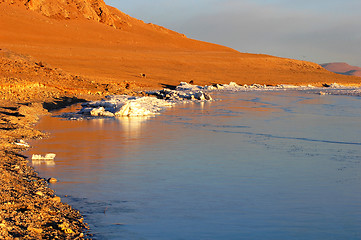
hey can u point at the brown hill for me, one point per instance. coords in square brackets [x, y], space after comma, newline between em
[70, 35]
[343, 68]
[95, 10]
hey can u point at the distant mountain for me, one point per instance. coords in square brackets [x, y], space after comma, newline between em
[342, 68]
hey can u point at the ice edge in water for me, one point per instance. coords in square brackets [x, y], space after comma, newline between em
[131, 106]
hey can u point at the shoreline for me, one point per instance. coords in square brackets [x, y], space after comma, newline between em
[29, 207]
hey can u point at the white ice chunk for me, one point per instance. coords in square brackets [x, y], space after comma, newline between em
[188, 86]
[100, 111]
[122, 105]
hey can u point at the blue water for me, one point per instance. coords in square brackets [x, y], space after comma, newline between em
[255, 165]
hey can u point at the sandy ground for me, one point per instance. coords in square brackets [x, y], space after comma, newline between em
[47, 63]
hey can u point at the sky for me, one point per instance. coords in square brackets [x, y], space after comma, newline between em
[320, 31]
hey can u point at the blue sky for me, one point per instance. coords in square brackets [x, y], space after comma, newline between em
[315, 30]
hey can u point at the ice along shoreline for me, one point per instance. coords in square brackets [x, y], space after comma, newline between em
[166, 98]
[114, 106]
[252, 96]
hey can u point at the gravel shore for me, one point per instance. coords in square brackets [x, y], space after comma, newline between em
[29, 89]
[29, 209]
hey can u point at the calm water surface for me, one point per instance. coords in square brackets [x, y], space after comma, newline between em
[271, 165]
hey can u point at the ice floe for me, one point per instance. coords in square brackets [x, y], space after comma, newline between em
[327, 89]
[131, 106]
[122, 105]
[181, 95]
[346, 92]
[232, 86]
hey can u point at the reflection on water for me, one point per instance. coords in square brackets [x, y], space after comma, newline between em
[275, 165]
[48, 163]
[133, 125]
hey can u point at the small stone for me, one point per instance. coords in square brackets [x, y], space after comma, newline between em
[56, 199]
[36, 230]
[39, 193]
[52, 180]
[65, 228]
[15, 167]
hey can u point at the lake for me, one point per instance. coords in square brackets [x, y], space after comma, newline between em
[251, 165]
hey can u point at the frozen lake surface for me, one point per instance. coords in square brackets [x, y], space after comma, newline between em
[255, 165]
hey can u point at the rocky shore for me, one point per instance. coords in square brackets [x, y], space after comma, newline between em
[29, 208]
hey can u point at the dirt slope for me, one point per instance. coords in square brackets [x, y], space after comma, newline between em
[94, 50]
